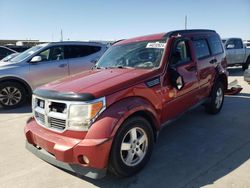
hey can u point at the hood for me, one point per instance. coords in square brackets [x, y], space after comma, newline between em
[100, 82]
[9, 64]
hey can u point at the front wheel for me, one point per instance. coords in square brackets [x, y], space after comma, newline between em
[214, 105]
[132, 147]
[12, 95]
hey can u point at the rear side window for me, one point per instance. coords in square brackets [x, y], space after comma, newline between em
[81, 51]
[201, 48]
[215, 45]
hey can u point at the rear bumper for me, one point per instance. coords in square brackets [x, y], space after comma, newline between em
[85, 171]
[64, 151]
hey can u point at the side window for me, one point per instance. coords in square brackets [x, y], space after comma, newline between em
[81, 51]
[215, 45]
[181, 52]
[201, 48]
[5, 52]
[238, 44]
[52, 54]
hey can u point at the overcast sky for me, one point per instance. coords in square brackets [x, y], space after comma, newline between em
[110, 19]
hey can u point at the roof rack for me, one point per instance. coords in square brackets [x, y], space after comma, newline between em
[172, 33]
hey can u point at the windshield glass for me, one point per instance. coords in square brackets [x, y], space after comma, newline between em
[27, 53]
[146, 54]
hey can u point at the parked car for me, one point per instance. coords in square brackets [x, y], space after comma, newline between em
[9, 57]
[109, 117]
[4, 51]
[236, 52]
[42, 64]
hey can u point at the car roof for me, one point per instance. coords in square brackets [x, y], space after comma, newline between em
[76, 43]
[162, 36]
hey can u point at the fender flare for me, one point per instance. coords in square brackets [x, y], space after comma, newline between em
[112, 118]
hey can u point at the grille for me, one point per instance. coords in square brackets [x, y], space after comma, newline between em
[57, 123]
[50, 114]
[40, 117]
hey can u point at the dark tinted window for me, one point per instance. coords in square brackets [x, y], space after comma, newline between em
[201, 48]
[181, 52]
[215, 45]
[236, 42]
[81, 51]
[5, 52]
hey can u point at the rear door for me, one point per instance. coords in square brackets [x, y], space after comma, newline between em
[53, 66]
[82, 57]
[206, 64]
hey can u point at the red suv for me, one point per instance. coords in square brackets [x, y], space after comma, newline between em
[108, 118]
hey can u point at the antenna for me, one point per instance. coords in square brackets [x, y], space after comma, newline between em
[185, 21]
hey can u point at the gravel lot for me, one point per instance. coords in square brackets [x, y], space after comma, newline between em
[197, 150]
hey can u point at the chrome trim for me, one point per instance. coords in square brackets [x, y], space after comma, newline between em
[61, 116]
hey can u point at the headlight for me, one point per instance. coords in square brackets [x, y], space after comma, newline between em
[82, 115]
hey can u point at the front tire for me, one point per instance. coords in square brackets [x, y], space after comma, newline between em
[215, 103]
[132, 147]
[12, 95]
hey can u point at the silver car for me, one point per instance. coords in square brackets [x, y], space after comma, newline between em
[42, 64]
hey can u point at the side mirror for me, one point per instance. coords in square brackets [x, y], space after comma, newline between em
[230, 46]
[36, 59]
[176, 79]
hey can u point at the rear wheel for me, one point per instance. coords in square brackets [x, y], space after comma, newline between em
[12, 94]
[132, 147]
[214, 105]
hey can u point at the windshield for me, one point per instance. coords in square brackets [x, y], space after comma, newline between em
[146, 54]
[26, 53]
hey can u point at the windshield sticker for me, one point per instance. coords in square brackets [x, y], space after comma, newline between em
[156, 45]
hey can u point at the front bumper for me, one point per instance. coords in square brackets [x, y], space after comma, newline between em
[65, 152]
[85, 171]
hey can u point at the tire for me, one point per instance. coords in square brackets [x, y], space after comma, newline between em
[130, 152]
[12, 95]
[246, 65]
[215, 103]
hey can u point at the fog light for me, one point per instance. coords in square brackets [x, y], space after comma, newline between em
[83, 159]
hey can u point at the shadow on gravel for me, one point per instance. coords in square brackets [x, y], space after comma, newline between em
[23, 109]
[196, 150]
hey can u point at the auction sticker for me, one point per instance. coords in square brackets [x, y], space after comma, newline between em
[156, 45]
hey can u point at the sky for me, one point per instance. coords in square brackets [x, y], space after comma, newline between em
[113, 19]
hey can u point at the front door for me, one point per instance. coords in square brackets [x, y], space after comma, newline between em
[53, 66]
[178, 101]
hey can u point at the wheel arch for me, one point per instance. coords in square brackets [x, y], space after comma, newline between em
[18, 80]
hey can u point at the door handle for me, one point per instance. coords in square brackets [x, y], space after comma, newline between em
[213, 61]
[62, 65]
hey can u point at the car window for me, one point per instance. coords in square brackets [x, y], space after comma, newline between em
[201, 48]
[5, 52]
[52, 54]
[181, 52]
[215, 45]
[75, 51]
[238, 44]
